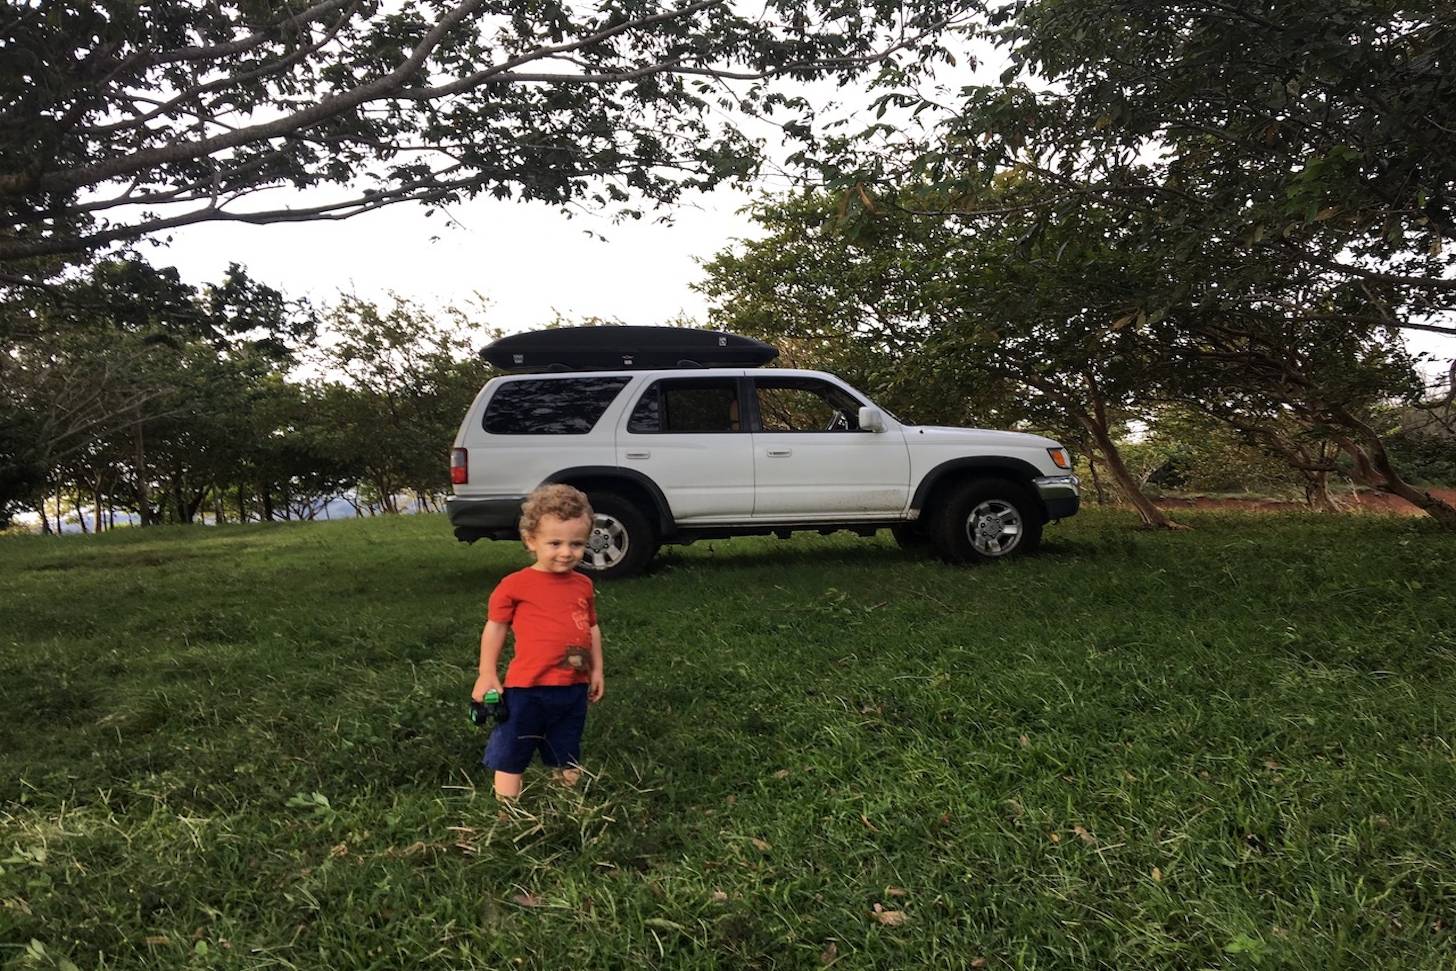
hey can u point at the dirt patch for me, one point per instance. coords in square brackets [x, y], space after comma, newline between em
[1365, 500]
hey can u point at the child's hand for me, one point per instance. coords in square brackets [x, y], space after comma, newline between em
[596, 687]
[484, 683]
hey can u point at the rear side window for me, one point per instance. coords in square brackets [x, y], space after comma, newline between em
[687, 405]
[559, 406]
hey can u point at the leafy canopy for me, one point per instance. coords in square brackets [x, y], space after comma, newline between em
[120, 120]
[1306, 140]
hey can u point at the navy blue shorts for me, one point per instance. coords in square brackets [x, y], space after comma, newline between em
[548, 719]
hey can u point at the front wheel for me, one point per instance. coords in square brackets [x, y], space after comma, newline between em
[985, 519]
[622, 540]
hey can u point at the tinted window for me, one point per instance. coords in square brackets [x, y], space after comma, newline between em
[687, 405]
[560, 406]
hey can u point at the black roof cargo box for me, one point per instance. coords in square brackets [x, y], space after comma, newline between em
[623, 346]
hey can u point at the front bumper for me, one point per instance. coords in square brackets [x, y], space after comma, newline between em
[1061, 495]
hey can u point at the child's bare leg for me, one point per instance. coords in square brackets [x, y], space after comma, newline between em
[507, 785]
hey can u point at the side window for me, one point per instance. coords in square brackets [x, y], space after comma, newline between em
[805, 405]
[687, 405]
[559, 406]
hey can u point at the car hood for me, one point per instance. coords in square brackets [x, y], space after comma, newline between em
[987, 437]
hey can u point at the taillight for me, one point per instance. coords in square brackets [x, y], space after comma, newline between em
[459, 466]
[1060, 458]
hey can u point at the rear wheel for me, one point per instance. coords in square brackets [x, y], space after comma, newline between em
[985, 519]
[622, 540]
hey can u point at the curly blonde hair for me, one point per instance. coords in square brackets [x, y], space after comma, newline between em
[553, 499]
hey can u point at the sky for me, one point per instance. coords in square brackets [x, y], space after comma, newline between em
[529, 261]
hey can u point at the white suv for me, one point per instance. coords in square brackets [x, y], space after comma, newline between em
[681, 454]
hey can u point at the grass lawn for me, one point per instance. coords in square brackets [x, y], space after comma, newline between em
[247, 747]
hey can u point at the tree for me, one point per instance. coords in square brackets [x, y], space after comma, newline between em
[128, 379]
[120, 121]
[284, 470]
[73, 389]
[1275, 183]
[22, 477]
[1190, 450]
[862, 304]
[401, 380]
[959, 321]
[1315, 133]
[1422, 440]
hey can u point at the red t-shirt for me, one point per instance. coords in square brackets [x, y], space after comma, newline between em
[547, 613]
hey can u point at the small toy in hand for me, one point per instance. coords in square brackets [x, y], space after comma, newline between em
[490, 711]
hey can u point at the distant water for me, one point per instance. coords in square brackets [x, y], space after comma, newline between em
[333, 509]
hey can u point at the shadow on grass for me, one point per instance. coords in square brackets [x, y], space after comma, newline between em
[722, 555]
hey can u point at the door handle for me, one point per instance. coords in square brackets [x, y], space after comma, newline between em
[640, 453]
[779, 453]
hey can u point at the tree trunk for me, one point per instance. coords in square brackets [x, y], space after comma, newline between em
[1096, 482]
[1373, 468]
[143, 498]
[1317, 492]
[189, 502]
[1367, 472]
[1151, 515]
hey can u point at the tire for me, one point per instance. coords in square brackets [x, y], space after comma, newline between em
[983, 520]
[622, 540]
[910, 537]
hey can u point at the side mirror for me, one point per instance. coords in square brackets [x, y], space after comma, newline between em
[871, 419]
